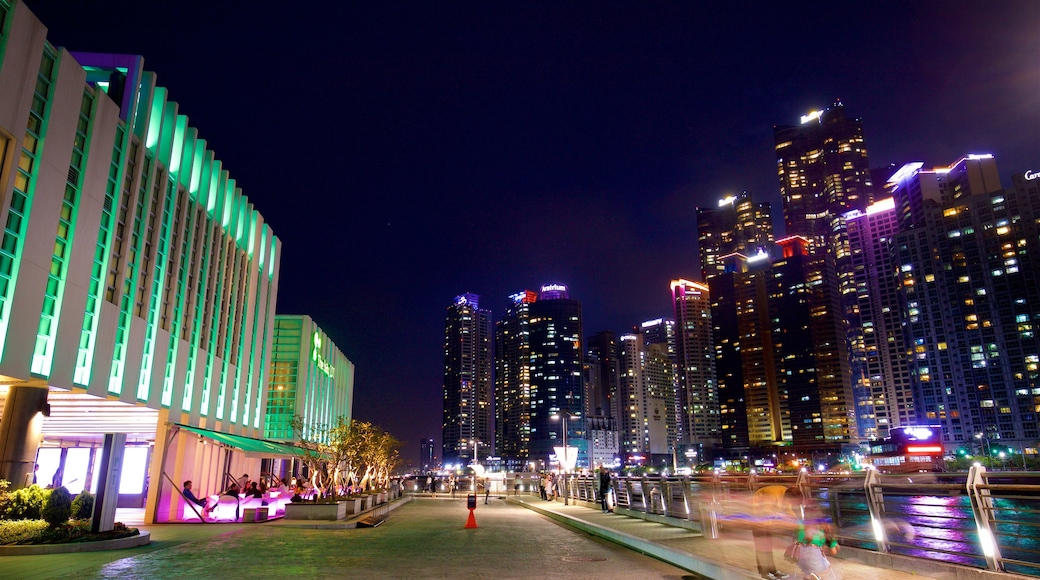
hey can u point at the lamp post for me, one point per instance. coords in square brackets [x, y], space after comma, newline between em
[986, 445]
[475, 463]
[563, 466]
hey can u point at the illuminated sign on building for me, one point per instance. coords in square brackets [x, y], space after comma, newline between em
[811, 116]
[323, 364]
[1031, 175]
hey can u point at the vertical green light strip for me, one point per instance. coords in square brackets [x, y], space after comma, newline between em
[176, 323]
[218, 317]
[200, 302]
[158, 280]
[88, 335]
[24, 189]
[130, 281]
[267, 324]
[43, 353]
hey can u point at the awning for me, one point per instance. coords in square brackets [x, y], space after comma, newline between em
[252, 447]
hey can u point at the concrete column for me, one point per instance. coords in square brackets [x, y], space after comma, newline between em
[21, 430]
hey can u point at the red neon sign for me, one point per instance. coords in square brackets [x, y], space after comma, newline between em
[924, 449]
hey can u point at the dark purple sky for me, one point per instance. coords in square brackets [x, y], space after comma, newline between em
[407, 153]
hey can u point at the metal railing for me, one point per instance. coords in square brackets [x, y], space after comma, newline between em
[982, 519]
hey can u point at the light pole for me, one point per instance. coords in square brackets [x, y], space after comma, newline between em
[563, 465]
[476, 462]
[986, 445]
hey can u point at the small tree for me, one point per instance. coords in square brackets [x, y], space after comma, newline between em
[58, 507]
[83, 506]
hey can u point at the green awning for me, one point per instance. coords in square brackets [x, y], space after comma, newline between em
[252, 447]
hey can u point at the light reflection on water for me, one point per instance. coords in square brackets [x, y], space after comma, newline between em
[943, 527]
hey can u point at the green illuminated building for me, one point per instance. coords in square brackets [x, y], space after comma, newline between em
[137, 282]
[310, 377]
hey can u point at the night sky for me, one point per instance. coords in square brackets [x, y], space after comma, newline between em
[408, 153]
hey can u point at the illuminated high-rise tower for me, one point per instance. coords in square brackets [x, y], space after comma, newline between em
[557, 383]
[540, 377]
[823, 171]
[513, 381]
[737, 225]
[467, 379]
[698, 396]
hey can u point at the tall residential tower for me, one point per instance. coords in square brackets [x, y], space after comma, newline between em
[467, 380]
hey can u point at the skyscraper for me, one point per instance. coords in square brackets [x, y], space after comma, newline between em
[729, 374]
[557, 385]
[602, 352]
[823, 171]
[427, 454]
[698, 395]
[648, 389]
[736, 225]
[883, 395]
[467, 379]
[969, 278]
[513, 381]
[791, 353]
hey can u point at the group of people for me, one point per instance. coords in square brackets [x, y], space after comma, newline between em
[782, 511]
[242, 488]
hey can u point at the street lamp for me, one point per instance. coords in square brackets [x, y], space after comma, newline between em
[563, 462]
[985, 444]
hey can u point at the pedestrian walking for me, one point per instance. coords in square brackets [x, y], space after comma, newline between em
[517, 482]
[772, 514]
[429, 482]
[604, 488]
[814, 542]
[542, 482]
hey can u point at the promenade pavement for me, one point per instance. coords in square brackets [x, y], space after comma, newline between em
[518, 537]
[424, 538]
[732, 555]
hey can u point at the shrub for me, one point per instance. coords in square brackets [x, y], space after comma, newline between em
[58, 507]
[21, 531]
[26, 503]
[83, 506]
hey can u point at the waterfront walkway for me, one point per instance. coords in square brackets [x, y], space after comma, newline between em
[425, 538]
[732, 555]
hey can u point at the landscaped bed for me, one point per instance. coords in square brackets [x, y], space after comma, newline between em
[33, 532]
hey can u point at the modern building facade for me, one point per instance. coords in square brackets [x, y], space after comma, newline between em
[310, 378]
[791, 352]
[883, 395]
[137, 282]
[513, 381]
[729, 373]
[467, 381]
[603, 381]
[541, 378]
[736, 225]
[699, 422]
[822, 167]
[557, 385]
[970, 298]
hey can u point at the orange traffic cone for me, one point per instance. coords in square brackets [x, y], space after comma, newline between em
[472, 521]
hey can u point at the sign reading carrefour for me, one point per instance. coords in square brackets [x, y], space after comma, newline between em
[323, 364]
[1031, 175]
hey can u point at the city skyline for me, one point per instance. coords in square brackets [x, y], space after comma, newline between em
[573, 144]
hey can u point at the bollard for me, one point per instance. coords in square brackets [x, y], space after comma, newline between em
[471, 503]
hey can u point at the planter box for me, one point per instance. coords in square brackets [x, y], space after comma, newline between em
[316, 511]
[381, 498]
[353, 505]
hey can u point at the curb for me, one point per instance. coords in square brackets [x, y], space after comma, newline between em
[711, 569]
[141, 539]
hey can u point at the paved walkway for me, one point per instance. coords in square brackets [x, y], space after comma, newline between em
[425, 538]
[732, 555]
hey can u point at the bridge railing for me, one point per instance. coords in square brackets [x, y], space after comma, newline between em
[982, 519]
